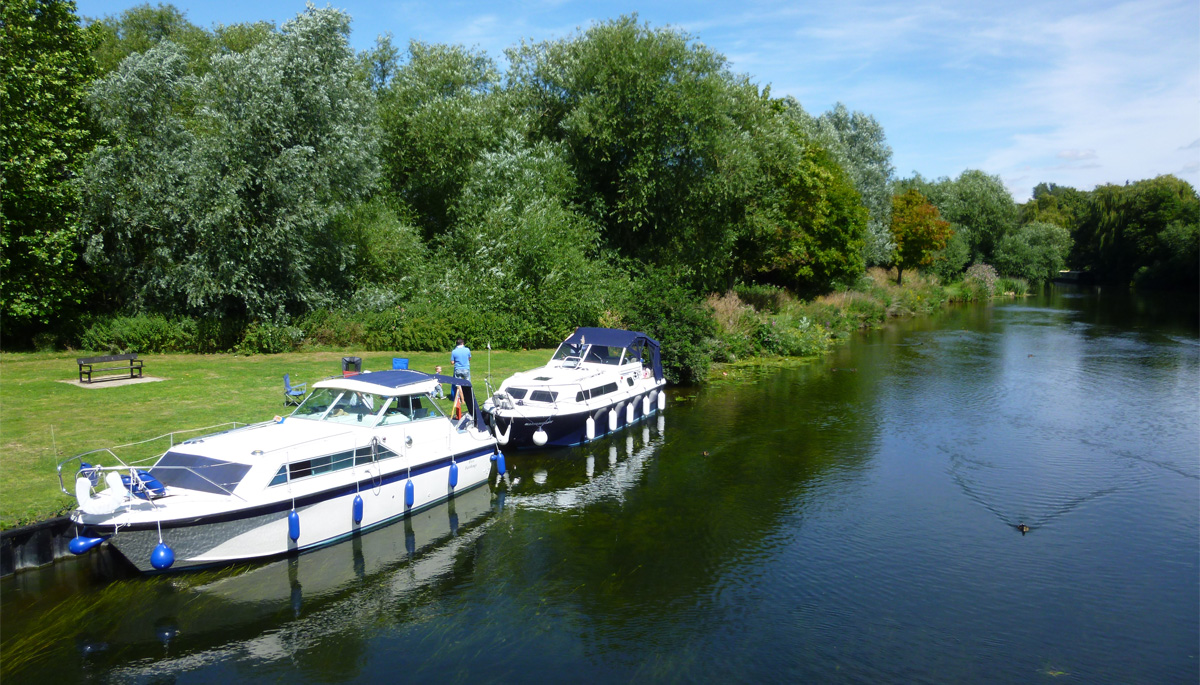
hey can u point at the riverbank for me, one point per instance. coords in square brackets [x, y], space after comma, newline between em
[46, 419]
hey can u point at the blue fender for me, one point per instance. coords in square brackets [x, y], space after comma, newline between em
[162, 557]
[358, 508]
[80, 544]
[294, 525]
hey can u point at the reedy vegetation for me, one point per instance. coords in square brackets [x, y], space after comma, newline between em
[259, 189]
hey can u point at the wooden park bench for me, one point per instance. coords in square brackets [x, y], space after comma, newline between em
[88, 366]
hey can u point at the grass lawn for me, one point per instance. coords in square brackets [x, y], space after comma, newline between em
[43, 421]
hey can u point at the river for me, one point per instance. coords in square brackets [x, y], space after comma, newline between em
[853, 519]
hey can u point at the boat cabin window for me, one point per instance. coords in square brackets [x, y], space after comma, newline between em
[407, 408]
[517, 393]
[316, 404]
[543, 396]
[596, 392]
[603, 354]
[340, 406]
[568, 350]
[368, 409]
[327, 463]
[600, 354]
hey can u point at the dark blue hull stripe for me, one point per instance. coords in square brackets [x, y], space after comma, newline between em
[314, 546]
[569, 430]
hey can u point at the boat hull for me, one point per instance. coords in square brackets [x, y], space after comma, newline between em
[324, 518]
[566, 428]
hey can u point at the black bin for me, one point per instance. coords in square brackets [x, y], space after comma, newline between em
[351, 366]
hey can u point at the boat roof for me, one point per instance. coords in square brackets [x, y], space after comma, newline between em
[614, 337]
[394, 382]
[403, 382]
[617, 337]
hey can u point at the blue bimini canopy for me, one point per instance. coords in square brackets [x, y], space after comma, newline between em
[392, 378]
[616, 337]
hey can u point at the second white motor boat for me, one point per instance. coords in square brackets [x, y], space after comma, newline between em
[598, 381]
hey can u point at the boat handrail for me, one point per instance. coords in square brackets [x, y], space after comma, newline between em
[307, 441]
[234, 426]
[132, 468]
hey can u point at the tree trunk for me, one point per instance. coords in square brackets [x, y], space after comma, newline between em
[899, 275]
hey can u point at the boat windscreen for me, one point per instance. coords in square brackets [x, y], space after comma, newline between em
[203, 474]
[566, 350]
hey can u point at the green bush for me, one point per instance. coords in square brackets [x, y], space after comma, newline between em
[269, 338]
[144, 333]
[1017, 286]
[764, 298]
[980, 281]
[661, 307]
[218, 334]
[1035, 251]
[796, 336]
[950, 261]
[45, 341]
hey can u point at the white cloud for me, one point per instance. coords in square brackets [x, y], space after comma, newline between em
[1075, 155]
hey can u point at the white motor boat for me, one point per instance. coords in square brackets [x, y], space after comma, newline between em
[359, 452]
[598, 381]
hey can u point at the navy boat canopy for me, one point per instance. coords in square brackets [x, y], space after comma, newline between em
[616, 337]
[394, 378]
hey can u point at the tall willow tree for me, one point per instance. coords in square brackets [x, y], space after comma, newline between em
[439, 112]
[214, 193]
[650, 120]
[858, 144]
[804, 222]
[1147, 232]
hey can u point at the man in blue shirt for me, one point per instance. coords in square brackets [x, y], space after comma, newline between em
[461, 356]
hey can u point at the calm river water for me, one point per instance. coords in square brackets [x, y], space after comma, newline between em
[854, 519]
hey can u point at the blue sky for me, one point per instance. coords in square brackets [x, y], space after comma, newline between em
[1074, 93]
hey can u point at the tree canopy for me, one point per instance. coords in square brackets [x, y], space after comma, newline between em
[1146, 232]
[917, 231]
[247, 173]
[45, 132]
[213, 193]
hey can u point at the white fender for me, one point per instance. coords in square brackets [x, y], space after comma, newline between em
[629, 412]
[646, 404]
[662, 400]
[591, 465]
[502, 438]
[539, 437]
[612, 419]
[107, 501]
[590, 429]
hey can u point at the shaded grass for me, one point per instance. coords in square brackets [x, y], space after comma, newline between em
[44, 421]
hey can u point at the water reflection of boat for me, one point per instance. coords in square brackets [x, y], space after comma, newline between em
[328, 570]
[627, 462]
[338, 590]
[356, 454]
[599, 380]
